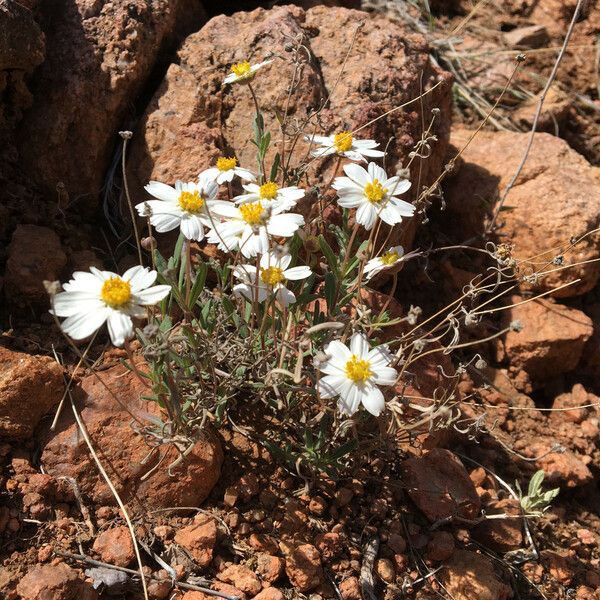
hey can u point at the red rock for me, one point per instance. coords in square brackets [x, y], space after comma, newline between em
[219, 586]
[561, 468]
[501, 535]
[576, 398]
[471, 575]
[558, 563]
[587, 537]
[66, 454]
[270, 593]
[263, 543]
[532, 36]
[269, 568]
[440, 486]
[54, 582]
[242, 578]
[159, 590]
[30, 386]
[248, 486]
[556, 197]
[384, 568]
[329, 545]
[116, 46]
[396, 543]
[441, 546]
[199, 539]
[551, 340]
[350, 589]
[115, 546]
[35, 254]
[181, 137]
[303, 567]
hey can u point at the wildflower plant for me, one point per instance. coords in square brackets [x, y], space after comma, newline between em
[276, 331]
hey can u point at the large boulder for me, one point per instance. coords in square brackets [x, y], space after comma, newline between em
[355, 66]
[111, 406]
[551, 338]
[30, 386]
[99, 55]
[556, 198]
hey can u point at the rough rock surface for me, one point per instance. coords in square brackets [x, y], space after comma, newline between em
[551, 341]
[35, 254]
[79, 105]
[21, 50]
[54, 582]
[199, 539]
[115, 546]
[556, 198]
[501, 535]
[303, 567]
[471, 575]
[193, 117]
[110, 427]
[565, 469]
[440, 486]
[29, 387]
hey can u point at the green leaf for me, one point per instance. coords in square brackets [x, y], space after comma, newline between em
[275, 167]
[330, 291]
[198, 283]
[329, 254]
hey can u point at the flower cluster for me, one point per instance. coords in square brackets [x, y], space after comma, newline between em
[255, 230]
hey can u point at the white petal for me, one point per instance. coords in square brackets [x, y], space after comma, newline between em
[284, 261]
[209, 174]
[285, 296]
[361, 144]
[380, 356]
[357, 174]
[192, 228]
[139, 277]
[359, 345]
[372, 399]
[82, 325]
[162, 191]
[152, 295]
[376, 172]
[406, 209]
[66, 304]
[244, 174]
[225, 176]
[296, 273]
[351, 200]
[159, 207]
[164, 223]
[349, 399]
[390, 214]
[284, 225]
[329, 386]
[397, 188]
[366, 215]
[243, 289]
[354, 155]
[319, 139]
[120, 327]
[318, 152]
[371, 153]
[338, 351]
[384, 375]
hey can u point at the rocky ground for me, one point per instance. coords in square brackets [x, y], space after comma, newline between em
[409, 521]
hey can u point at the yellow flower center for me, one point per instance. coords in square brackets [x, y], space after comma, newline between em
[268, 190]
[358, 370]
[375, 192]
[252, 213]
[226, 164]
[242, 69]
[191, 201]
[115, 292]
[389, 258]
[272, 275]
[342, 141]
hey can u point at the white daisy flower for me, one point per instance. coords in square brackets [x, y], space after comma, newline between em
[373, 194]
[91, 299]
[269, 192]
[270, 278]
[186, 206]
[249, 226]
[243, 72]
[344, 144]
[354, 373]
[225, 170]
[393, 259]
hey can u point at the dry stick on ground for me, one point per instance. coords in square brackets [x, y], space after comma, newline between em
[538, 112]
[104, 474]
[366, 570]
[180, 584]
